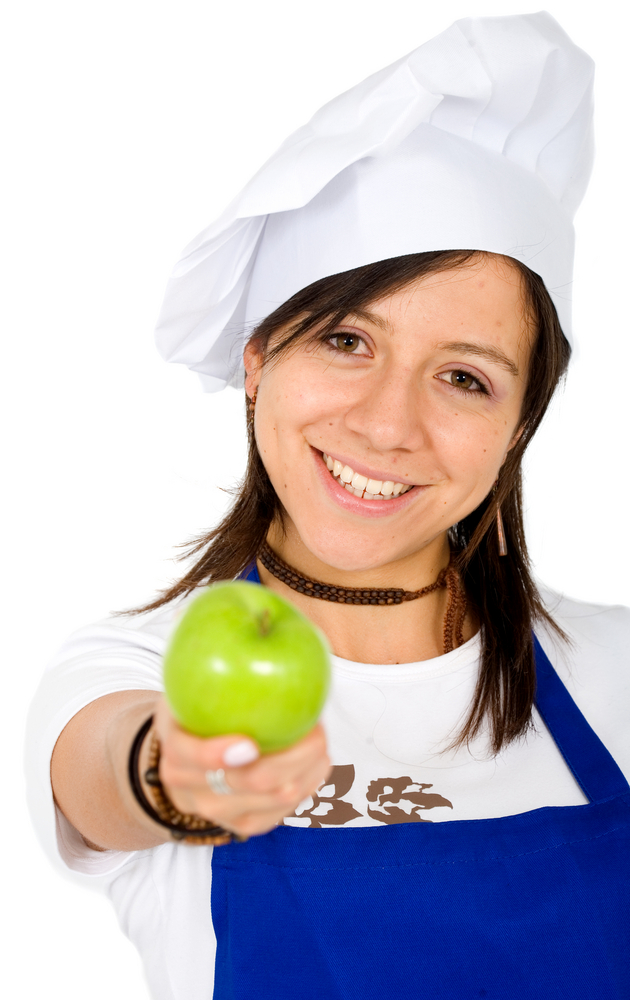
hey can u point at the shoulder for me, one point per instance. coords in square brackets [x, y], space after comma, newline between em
[592, 629]
[148, 631]
[594, 664]
[119, 653]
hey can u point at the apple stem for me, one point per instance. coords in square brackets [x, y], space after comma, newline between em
[263, 622]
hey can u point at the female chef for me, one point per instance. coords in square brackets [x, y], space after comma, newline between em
[393, 289]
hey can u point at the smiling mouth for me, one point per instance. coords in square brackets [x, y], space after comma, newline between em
[361, 486]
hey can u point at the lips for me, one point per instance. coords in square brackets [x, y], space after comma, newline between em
[361, 506]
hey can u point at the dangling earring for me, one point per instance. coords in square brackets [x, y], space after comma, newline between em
[501, 533]
[251, 410]
[500, 528]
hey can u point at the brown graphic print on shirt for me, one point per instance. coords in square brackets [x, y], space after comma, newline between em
[386, 793]
[329, 809]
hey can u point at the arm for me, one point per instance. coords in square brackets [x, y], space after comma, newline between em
[91, 786]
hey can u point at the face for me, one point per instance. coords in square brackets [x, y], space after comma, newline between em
[395, 427]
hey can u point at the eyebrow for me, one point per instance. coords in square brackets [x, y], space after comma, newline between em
[371, 317]
[493, 354]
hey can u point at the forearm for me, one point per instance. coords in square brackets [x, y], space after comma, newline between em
[91, 781]
[89, 772]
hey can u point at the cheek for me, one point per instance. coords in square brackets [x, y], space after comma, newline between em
[297, 404]
[284, 415]
[471, 446]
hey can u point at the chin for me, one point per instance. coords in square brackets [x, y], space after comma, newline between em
[352, 554]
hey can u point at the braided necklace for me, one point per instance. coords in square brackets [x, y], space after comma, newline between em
[448, 578]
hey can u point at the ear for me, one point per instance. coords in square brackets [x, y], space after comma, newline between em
[253, 358]
[516, 437]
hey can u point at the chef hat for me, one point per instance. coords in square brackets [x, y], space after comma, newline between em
[479, 139]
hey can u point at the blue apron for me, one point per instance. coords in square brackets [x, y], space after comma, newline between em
[535, 905]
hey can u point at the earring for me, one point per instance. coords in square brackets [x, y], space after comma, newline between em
[500, 528]
[501, 534]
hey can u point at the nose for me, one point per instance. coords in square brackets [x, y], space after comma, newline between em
[388, 413]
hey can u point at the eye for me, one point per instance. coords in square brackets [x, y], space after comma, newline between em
[464, 381]
[346, 342]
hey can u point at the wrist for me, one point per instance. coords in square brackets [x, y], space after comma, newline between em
[153, 799]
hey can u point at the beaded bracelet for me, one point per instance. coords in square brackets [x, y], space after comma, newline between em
[183, 827]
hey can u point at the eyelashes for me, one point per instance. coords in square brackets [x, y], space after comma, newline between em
[460, 379]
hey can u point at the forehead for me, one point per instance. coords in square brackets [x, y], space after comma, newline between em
[484, 300]
[490, 286]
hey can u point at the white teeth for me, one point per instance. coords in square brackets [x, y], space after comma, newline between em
[346, 474]
[361, 486]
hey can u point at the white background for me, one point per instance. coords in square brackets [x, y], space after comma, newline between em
[129, 124]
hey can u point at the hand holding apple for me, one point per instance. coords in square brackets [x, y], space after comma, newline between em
[264, 788]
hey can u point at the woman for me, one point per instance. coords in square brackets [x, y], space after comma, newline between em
[379, 365]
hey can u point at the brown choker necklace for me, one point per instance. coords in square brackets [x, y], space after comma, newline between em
[449, 578]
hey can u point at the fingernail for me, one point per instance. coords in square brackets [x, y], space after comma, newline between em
[240, 753]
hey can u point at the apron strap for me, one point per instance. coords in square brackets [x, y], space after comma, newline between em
[592, 766]
[250, 573]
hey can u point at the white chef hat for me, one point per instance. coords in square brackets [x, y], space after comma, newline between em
[479, 139]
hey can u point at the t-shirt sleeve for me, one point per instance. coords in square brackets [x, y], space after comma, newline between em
[120, 654]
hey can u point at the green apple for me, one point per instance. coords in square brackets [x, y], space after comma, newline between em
[243, 660]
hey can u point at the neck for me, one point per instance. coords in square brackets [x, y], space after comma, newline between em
[371, 634]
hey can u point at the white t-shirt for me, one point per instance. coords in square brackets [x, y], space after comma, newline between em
[385, 725]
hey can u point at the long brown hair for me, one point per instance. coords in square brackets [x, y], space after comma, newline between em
[500, 590]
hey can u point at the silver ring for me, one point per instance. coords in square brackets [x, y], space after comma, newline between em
[218, 784]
